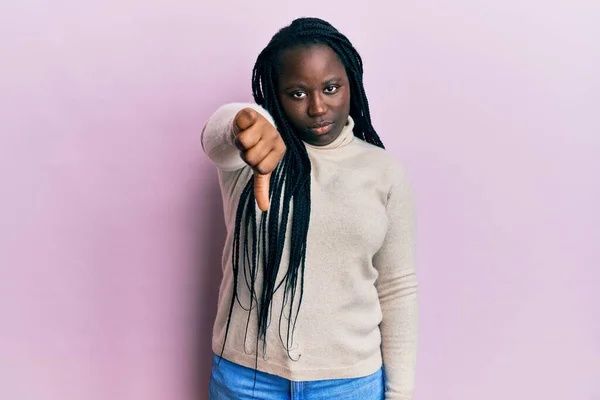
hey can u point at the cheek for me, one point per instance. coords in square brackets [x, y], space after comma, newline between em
[343, 102]
[346, 100]
[292, 110]
[347, 96]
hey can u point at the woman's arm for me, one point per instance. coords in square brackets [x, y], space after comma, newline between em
[218, 135]
[397, 288]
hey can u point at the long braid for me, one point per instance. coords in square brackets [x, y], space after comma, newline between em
[290, 184]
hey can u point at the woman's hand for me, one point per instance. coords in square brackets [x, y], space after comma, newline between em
[261, 148]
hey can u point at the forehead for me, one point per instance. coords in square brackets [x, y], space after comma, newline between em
[310, 62]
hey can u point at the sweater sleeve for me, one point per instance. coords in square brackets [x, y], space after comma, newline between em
[397, 289]
[217, 136]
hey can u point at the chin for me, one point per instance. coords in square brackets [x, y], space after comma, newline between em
[321, 140]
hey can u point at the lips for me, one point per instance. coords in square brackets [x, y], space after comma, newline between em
[321, 128]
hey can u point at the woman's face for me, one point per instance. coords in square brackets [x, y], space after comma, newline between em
[314, 91]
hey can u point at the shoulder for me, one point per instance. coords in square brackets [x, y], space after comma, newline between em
[381, 161]
[388, 170]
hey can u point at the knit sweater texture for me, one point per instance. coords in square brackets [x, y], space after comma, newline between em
[359, 307]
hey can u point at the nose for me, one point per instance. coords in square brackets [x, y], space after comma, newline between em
[317, 106]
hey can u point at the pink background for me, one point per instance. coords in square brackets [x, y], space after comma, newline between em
[111, 225]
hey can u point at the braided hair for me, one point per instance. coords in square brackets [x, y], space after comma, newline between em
[261, 244]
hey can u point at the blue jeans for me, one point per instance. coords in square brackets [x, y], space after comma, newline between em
[229, 381]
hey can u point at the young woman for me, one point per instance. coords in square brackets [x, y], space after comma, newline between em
[319, 294]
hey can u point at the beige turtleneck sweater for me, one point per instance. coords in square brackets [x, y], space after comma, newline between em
[359, 309]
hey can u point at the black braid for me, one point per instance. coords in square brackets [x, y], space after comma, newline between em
[289, 182]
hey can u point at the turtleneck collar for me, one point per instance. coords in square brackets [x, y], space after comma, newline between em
[346, 136]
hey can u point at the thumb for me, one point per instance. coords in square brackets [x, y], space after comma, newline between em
[245, 118]
[261, 190]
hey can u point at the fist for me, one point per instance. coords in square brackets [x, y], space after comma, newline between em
[261, 147]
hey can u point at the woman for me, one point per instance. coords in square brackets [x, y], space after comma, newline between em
[319, 295]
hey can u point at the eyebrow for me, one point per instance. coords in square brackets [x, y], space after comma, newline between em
[302, 85]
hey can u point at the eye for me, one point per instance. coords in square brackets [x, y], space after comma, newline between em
[331, 89]
[298, 95]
